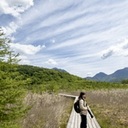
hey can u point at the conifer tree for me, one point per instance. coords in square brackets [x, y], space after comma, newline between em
[6, 54]
[11, 90]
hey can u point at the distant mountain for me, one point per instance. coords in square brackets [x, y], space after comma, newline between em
[117, 76]
[58, 69]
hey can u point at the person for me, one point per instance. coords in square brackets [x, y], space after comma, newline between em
[83, 109]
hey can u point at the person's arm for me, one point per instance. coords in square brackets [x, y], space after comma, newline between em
[82, 107]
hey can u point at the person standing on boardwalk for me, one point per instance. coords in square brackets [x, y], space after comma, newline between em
[83, 110]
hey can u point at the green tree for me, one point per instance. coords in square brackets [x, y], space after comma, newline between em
[6, 54]
[124, 81]
[11, 90]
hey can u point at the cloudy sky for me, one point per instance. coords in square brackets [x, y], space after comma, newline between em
[84, 37]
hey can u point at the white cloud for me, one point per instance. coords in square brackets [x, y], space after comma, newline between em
[51, 62]
[70, 42]
[121, 49]
[53, 41]
[83, 32]
[26, 49]
[10, 29]
[15, 7]
[79, 17]
[24, 59]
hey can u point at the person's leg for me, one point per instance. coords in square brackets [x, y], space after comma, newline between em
[83, 121]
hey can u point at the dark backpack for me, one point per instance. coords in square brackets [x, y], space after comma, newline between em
[77, 106]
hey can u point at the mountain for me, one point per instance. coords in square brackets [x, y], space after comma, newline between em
[117, 76]
[58, 69]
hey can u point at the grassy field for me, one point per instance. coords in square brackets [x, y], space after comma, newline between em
[110, 107]
[47, 111]
[53, 111]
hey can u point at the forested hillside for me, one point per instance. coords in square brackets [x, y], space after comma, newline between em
[43, 79]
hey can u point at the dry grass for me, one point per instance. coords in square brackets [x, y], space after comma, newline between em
[110, 107]
[47, 111]
[52, 111]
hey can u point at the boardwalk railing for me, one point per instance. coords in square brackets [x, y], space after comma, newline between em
[75, 119]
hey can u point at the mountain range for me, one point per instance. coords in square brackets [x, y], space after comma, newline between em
[117, 76]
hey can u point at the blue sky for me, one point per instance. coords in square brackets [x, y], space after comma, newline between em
[84, 37]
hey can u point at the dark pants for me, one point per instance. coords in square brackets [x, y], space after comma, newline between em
[83, 121]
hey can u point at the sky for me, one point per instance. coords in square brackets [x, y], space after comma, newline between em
[83, 37]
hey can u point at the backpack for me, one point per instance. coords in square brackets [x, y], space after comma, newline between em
[77, 107]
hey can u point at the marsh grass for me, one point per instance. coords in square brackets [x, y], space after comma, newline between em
[110, 107]
[47, 111]
[53, 111]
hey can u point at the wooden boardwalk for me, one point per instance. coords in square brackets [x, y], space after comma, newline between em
[75, 119]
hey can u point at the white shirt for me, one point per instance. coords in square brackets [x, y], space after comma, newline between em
[83, 107]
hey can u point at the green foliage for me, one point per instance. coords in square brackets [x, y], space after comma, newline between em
[124, 81]
[11, 95]
[6, 54]
[41, 79]
[11, 89]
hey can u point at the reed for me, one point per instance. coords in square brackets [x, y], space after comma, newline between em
[110, 107]
[46, 111]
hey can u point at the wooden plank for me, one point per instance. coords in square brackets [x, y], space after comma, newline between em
[66, 95]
